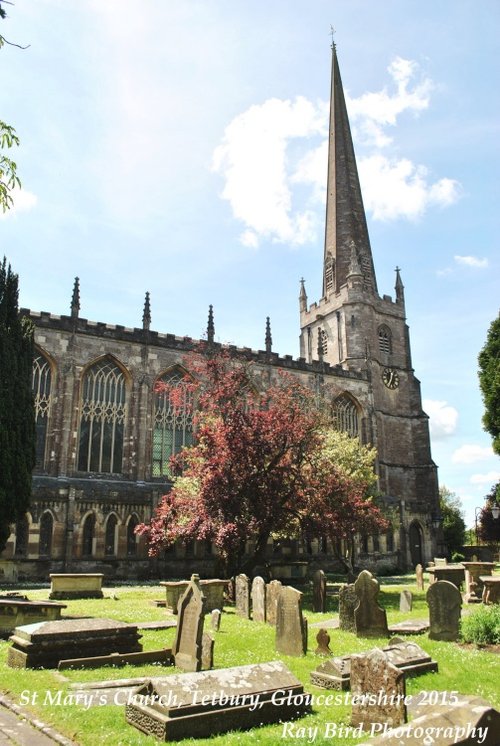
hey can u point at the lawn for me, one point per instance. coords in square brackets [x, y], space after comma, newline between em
[239, 642]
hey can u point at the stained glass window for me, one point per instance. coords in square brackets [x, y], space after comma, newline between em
[42, 382]
[173, 421]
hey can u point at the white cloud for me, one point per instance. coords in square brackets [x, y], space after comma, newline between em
[471, 454]
[471, 261]
[490, 478]
[258, 171]
[395, 189]
[23, 202]
[443, 418]
[371, 112]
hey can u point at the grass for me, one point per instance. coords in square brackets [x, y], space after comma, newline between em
[238, 642]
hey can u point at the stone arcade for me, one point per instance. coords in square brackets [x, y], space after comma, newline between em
[105, 435]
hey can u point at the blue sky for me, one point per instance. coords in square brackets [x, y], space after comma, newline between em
[179, 148]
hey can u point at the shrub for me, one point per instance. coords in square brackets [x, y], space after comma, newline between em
[482, 626]
[457, 557]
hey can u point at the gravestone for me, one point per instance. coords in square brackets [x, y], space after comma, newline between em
[215, 618]
[405, 601]
[239, 698]
[291, 627]
[258, 599]
[445, 603]
[419, 574]
[370, 619]
[44, 644]
[319, 591]
[207, 652]
[323, 640]
[375, 677]
[242, 595]
[348, 601]
[409, 657]
[272, 592]
[187, 647]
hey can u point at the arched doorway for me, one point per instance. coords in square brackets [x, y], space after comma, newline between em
[416, 542]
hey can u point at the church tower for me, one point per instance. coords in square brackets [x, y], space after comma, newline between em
[353, 328]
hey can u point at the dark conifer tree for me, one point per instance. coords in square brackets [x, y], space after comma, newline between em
[17, 416]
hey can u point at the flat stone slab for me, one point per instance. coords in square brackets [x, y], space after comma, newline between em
[202, 704]
[335, 673]
[168, 624]
[413, 627]
[44, 644]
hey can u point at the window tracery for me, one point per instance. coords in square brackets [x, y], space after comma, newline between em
[173, 421]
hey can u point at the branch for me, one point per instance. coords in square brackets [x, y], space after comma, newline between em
[3, 41]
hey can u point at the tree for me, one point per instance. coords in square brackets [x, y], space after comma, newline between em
[453, 520]
[489, 381]
[17, 418]
[489, 527]
[259, 469]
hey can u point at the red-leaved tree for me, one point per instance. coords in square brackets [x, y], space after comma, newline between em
[258, 468]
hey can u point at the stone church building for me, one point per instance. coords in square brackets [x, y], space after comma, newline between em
[105, 436]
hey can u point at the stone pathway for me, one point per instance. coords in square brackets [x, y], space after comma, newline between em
[19, 728]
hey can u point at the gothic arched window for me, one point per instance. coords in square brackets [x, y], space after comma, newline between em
[385, 340]
[132, 536]
[88, 535]
[110, 536]
[345, 415]
[102, 419]
[22, 536]
[46, 529]
[42, 383]
[173, 420]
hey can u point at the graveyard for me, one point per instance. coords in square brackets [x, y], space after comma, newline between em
[259, 655]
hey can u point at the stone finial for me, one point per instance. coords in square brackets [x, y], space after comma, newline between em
[75, 299]
[320, 345]
[269, 339]
[399, 287]
[354, 267]
[210, 325]
[146, 314]
[303, 295]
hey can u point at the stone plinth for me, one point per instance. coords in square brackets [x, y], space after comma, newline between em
[473, 583]
[452, 573]
[200, 705]
[16, 612]
[75, 585]
[213, 590]
[491, 589]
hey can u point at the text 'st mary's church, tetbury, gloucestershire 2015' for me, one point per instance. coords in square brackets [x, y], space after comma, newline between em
[105, 435]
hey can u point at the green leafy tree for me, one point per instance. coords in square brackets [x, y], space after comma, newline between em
[489, 527]
[17, 418]
[453, 521]
[489, 381]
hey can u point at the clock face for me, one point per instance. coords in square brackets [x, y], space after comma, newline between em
[390, 378]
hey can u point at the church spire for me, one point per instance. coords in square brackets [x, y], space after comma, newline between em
[302, 296]
[75, 299]
[345, 214]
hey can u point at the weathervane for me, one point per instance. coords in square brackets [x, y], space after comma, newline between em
[332, 34]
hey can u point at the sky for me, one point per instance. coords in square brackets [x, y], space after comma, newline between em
[180, 148]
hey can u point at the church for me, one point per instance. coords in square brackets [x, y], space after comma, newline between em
[105, 434]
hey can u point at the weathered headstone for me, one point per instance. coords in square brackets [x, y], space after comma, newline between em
[348, 601]
[187, 647]
[445, 603]
[242, 595]
[207, 652]
[370, 619]
[323, 640]
[272, 592]
[319, 591]
[291, 627]
[405, 601]
[234, 699]
[383, 687]
[258, 599]
[335, 673]
[419, 574]
[215, 618]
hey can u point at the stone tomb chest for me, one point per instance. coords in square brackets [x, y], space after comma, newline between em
[16, 611]
[75, 585]
[44, 644]
[202, 704]
[213, 590]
